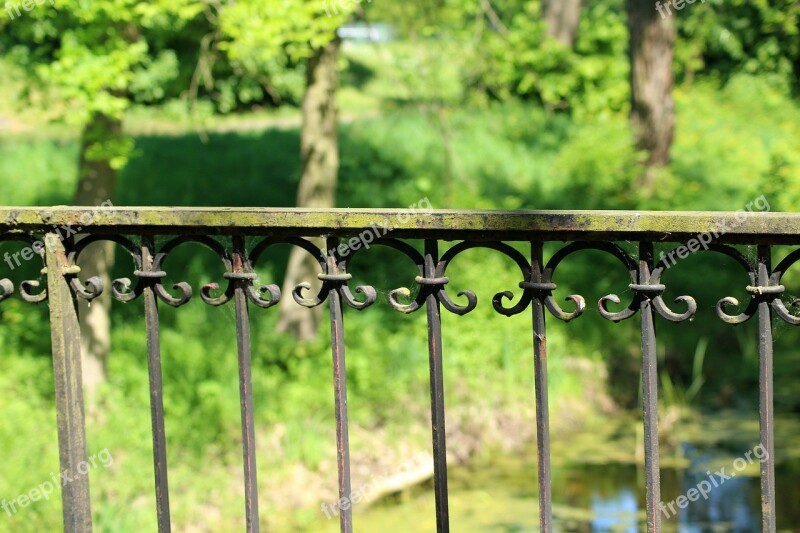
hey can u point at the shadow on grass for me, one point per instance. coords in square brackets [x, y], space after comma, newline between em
[228, 169]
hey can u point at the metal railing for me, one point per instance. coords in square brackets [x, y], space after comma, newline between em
[227, 231]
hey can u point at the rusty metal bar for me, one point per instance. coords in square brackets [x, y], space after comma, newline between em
[765, 409]
[241, 279]
[66, 339]
[540, 384]
[649, 392]
[438, 433]
[340, 395]
[667, 226]
[156, 385]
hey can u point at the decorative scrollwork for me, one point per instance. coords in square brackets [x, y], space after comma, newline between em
[93, 287]
[728, 301]
[333, 275]
[548, 286]
[27, 294]
[658, 301]
[776, 278]
[273, 290]
[153, 274]
[431, 279]
[369, 293]
[395, 295]
[26, 287]
[6, 289]
[497, 300]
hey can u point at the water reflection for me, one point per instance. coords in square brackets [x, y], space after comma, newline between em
[617, 513]
[616, 502]
[500, 496]
[731, 504]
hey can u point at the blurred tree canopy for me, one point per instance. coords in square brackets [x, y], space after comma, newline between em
[89, 58]
[102, 55]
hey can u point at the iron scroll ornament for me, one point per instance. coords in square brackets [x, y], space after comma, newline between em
[238, 269]
[333, 275]
[777, 289]
[26, 287]
[148, 270]
[431, 279]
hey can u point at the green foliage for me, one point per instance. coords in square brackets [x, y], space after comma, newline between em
[91, 59]
[738, 141]
[271, 40]
[589, 79]
[52, 161]
[261, 30]
[599, 164]
[679, 396]
[90, 56]
[758, 37]
[400, 73]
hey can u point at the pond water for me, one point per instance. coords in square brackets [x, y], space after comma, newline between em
[603, 490]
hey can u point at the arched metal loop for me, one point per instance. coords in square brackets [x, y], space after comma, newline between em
[578, 300]
[93, 287]
[776, 278]
[395, 295]
[724, 303]
[439, 279]
[274, 290]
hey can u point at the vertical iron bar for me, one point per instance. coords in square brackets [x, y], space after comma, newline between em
[437, 390]
[65, 334]
[649, 393]
[156, 387]
[245, 388]
[765, 412]
[340, 396]
[540, 384]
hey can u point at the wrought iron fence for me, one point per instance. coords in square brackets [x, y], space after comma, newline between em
[225, 232]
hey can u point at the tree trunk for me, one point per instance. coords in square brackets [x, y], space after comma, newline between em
[562, 18]
[319, 152]
[95, 186]
[652, 39]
